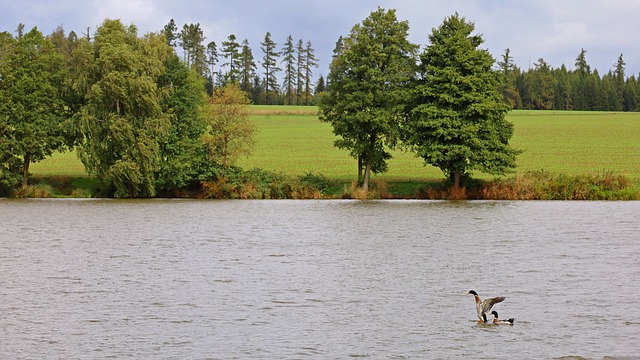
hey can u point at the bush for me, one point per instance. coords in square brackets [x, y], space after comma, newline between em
[35, 191]
[235, 183]
[541, 185]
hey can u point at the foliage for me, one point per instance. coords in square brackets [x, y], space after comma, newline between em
[458, 123]
[122, 122]
[191, 40]
[542, 185]
[183, 156]
[230, 133]
[32, 106]
[368, 90]
[235, 183]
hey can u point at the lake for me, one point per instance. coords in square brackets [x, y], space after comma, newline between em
[207, 279]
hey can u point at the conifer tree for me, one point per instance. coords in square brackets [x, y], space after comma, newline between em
[171, 33]
[310, 62]
[301, 61]
[458, 120]
[231, 52]
[269, 62]
[212, 59]
[247, 67]
[290, 76]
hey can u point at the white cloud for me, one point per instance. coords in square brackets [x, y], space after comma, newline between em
[549, 29]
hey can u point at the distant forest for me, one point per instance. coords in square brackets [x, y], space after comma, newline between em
[545, 88]
[287, 74]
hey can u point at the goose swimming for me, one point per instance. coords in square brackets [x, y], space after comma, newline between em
[482, 307]
[497, 321]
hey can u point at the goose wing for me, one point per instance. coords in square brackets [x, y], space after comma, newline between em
[487, 304]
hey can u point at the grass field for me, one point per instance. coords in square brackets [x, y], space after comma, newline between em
[293, 141]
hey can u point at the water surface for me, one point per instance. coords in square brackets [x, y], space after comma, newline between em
[317, 279]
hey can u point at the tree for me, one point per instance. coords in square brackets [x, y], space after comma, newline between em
[171, 33]
[619, 77]
[539, 87]
[458, 120]
[310, 62]
[212, 59]
[269, 64]
[290, 74]
[122, 122]
[320, 85]
[580, 93]
[230, 51]
[301, 56]
[247, 67]
[507, 85]
[231, 132]
[192, 42]
[182, 154]
[32, 109]
[368, 90]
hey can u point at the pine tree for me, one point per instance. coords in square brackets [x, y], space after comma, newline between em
[247, 67]
[231, 52]
[171, 33]
[269, 62]
[507, 85]
[300, 83]
[311, 62]
[289, 61]
[192, 43]
[458, 120]
[212, 59]
[619, 77]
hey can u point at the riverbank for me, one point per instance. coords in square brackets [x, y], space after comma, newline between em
[538, 185]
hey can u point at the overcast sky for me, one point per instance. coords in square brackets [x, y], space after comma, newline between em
[555, 30]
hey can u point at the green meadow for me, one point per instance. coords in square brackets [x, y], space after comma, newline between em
[293, 141]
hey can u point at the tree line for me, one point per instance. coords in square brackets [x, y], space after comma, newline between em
[546, 88]
[234, 61]
[137, 114]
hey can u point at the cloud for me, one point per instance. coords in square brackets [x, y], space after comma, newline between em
[549, 29]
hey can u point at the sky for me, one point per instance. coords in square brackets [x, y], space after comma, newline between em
[555, 30]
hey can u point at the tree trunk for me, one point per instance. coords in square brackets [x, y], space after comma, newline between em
[360, 170]
[367, 175]
[25, 170]
[456, 179]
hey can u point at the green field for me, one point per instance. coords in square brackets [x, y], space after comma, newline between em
[293, 141]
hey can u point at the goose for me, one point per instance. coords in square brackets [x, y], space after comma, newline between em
[482, 307]
[497, 321]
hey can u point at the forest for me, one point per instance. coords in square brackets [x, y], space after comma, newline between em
[546, 88]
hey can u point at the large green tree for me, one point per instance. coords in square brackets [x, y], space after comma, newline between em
[458, 123]
[32, 107]
[122, 121]
[368, 90]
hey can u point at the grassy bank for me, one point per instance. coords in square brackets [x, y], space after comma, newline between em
[563, 145]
